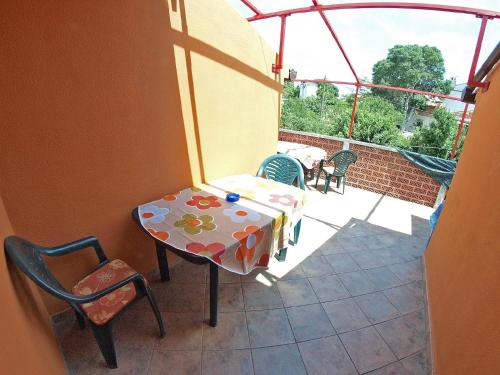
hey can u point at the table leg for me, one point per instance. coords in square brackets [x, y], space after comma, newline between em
[214, 291]
[161, 254]
[281, 256]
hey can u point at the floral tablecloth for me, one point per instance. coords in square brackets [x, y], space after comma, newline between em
[237, 236]
[310, 156]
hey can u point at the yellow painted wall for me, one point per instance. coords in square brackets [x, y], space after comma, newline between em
[463, 257]
[230, 97]
[107, 105]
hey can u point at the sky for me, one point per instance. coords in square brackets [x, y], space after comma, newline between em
[367, 35]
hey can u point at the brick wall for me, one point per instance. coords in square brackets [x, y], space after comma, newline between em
[378, 169]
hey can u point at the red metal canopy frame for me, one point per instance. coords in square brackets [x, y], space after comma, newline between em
[485, 15]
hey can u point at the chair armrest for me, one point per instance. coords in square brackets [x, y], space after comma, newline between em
[136, 277]
[77, 245]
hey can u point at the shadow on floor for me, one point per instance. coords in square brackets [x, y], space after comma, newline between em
[353, 305]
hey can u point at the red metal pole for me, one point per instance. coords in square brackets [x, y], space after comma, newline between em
[251, 6]
[395, 88]
[353, 113]
[470, 81]
[336, 38]
[379, 5]
[279, 65]
[459, 131]
[326, 81]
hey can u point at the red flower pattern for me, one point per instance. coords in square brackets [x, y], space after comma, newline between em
[162, 236]
[212, 250]
[249, 239]
[204, 202]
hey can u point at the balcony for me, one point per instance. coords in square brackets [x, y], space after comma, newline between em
[349, 298]
[109, 105]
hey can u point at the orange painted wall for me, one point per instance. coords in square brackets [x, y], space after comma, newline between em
[27, 343]
[106, 105]
[463, 257]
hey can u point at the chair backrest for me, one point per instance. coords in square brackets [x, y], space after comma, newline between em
[342, 160]
[28, 257]
[282, 168]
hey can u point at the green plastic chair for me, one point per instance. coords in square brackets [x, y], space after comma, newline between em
[283, 168]
[342, 160]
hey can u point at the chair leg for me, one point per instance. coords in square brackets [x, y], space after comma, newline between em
[281, 256]
[214, 293]
[161, 254]
[156, 311]
[296, 232]
[317, 178]
[327, 184]
[338, 181]
[80, 319]
[343, 185]
[104, 338]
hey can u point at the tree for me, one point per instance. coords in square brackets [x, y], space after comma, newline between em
[290, 91]
[376, 121]
[410, 66]
[327, 94]
[437, 138]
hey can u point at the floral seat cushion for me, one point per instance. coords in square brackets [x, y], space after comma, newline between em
[102, 310]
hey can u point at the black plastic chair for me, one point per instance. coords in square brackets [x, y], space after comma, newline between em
[342, 160]
[86, 303]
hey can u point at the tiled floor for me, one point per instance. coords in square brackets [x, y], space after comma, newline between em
[348, 300]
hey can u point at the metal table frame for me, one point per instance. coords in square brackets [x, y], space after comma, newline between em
[161, 254]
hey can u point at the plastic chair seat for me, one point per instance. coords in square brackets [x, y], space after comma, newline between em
[331, 171]
[103, 309]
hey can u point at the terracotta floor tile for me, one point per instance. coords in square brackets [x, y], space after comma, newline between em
[258, 296]
[326, 356]
[227, 362]
[316, 266]
[416, 364]
[332, 246]
[357, 283]
[231, 332]
[376, 307]
[276, 360]
[176, 363]
[408, 272]
[328, 288]
[230, 298]
[367, 349]
[395, 368]
[184, 331]
[405, 335]
[404, 299]
[178, 297]
[133, 361]
[382, 278]
[309, 322]
[345, 315]
[296, 292]
[342, 263]
[187, 272]
[269, 328]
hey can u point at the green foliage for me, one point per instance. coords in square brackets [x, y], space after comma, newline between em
[410, 66]
[290, 91]
[327, 94]
[376, 121]
[437, 138]
[379, 114]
